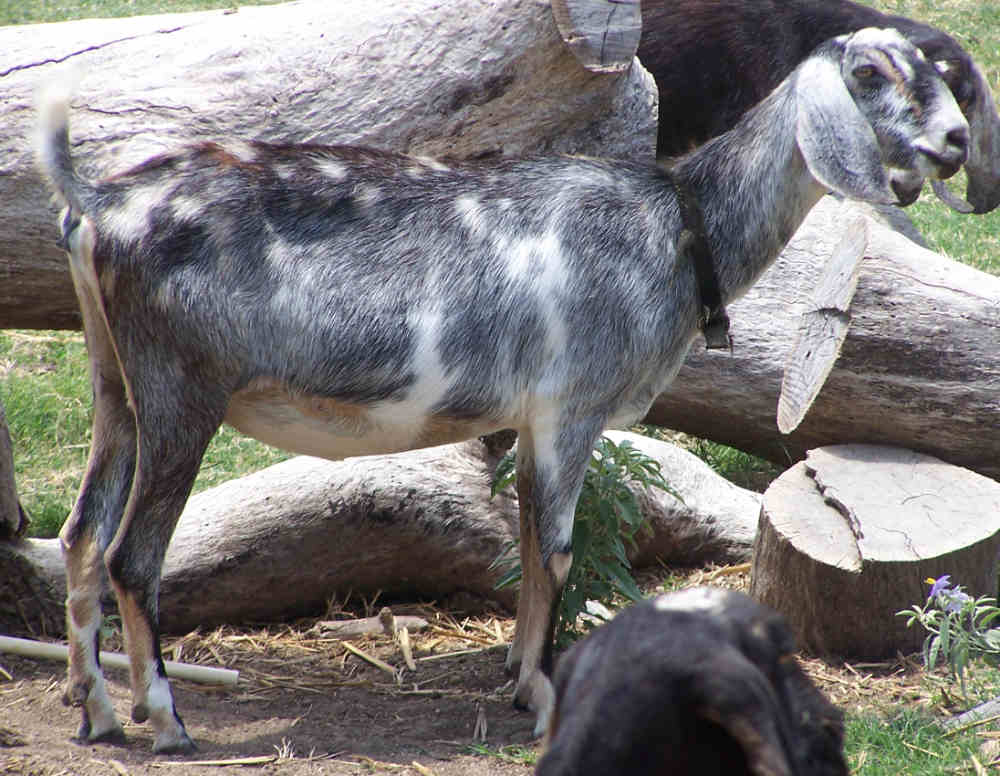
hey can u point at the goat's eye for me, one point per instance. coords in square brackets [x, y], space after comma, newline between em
[865, 72]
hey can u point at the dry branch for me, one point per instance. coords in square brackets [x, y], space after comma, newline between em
[47, 651]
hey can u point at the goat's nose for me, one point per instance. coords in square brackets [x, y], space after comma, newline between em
[958, 139]
[952, 153]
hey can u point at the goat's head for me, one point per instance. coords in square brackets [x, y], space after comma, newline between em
[701, 681]
[875, 118]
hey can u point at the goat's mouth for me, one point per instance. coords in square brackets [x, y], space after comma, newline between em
[944, 167]
[907, 190]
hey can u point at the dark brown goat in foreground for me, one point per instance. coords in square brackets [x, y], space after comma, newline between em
[714, 59]
[695, 683]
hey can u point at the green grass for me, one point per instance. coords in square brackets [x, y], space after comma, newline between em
[906, 742]
[45, 390]
[46, 395]
[38, 11]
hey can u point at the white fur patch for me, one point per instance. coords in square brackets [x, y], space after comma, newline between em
[431, 384]
[130, 219]
[367, 195]
[242, 150]
[433, 164]
[470, 211]
[187, 209]
[697, 599]
[332, 169]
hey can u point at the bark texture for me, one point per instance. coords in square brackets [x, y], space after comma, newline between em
[848, 537]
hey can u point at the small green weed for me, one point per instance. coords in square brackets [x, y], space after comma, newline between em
[607, 519]
[743, 469]
[959, 627]
[512, 753]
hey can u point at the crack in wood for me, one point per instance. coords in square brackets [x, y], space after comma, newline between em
[829, 498]
[95, 47]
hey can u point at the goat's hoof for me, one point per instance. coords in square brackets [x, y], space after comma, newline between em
[140, 713]
[86, 735]
[174, 742]
[75, 694]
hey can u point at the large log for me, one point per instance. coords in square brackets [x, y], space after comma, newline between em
[283, 541]
[919, 367]
[417, 76]
[848, 537]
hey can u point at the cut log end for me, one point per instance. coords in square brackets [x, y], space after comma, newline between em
[603, 34]
[847, 537]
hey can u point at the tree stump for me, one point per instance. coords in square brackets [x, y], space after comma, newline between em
[848, 537]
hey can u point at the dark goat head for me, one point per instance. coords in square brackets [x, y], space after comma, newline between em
[703, 681]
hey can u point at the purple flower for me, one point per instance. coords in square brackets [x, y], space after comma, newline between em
[956, 600]
[949, 598]
[938, 585]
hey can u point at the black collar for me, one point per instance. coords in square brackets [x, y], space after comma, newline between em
[713, 320]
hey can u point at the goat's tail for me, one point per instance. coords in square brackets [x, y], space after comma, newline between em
[53, 150]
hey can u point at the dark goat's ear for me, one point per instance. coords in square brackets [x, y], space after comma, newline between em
[734, 695]
[757, 736]
[983, 166]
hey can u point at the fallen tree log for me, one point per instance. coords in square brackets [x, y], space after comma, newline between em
[848, 537]
[283, 541]
[414, 76]
[919, 367]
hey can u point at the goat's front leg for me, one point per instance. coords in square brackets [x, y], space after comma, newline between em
[170, 453]
[550, 471]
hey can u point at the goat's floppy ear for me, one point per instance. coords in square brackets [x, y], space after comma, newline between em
[983, 166]
[735, 697]
[838, 143]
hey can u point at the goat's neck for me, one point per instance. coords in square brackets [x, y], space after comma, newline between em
[754, 189]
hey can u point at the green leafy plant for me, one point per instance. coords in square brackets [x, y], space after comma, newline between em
[957, 625]
[606, 523]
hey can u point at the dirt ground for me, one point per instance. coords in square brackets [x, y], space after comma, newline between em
[305, 704]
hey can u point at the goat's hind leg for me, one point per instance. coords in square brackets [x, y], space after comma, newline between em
[172, 437]
[89, 530]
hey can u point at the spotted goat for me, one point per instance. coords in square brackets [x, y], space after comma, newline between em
[340, 301]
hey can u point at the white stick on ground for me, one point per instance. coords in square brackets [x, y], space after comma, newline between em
[193, 673]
